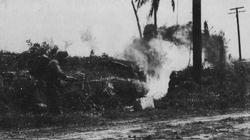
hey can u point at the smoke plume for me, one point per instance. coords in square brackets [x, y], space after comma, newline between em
[148, 56]
[87, 37]
[162, 55]
[177, 34]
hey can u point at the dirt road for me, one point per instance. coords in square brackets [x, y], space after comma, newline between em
[233, 126]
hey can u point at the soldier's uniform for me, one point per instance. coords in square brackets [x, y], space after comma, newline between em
[49, 71]
[53, 75]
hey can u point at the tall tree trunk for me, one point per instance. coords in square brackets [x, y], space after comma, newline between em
[155, 17]
[197, 48]
[137, 19]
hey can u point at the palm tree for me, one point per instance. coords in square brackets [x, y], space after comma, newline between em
[153, 10]
[154, 7]
[137, 18]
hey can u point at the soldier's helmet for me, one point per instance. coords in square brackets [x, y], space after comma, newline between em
[61, 55]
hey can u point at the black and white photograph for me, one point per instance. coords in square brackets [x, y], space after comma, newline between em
[124, 69]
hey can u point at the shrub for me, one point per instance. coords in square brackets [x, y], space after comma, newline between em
[220, 89]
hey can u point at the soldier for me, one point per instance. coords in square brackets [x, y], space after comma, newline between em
[53, 76]
[50, 71]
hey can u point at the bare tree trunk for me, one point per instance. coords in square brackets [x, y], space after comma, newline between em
[155, 18]
[197, 48]
[137, 18]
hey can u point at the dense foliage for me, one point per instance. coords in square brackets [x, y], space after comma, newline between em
[102, 82]
[220, 89]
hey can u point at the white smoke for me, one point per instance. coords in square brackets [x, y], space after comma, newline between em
[88, 39]
[177, 58]
[148, 55]
[158, 60]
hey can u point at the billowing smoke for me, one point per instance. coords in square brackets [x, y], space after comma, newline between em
[87, 37]
[159, 56]
[177, 58]
[67, 44]
[180, 35]
[147, 55]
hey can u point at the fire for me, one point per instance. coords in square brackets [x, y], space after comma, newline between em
[166, 57]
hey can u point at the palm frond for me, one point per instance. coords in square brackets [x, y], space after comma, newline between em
[154, 7]
[156, 4]
[173, 5]
[140, 3]
[151, 11]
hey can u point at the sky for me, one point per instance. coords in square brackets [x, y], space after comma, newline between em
[107, 25]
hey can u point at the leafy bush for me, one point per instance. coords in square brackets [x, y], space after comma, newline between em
[220, 89]
[20, 92]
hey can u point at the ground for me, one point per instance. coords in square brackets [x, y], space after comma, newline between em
[150, 125]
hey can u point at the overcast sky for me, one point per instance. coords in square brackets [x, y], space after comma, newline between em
[110, 22]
